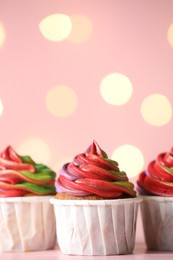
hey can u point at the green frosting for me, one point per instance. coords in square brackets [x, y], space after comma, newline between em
[37, 189]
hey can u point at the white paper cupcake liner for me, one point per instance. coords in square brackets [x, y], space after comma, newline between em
[26, 224]
[157, 217]
[96, 227]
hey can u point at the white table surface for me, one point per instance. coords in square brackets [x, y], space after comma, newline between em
[140, 253]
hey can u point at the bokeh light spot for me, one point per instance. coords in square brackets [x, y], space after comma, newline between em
[61, 101]
[56, 27]
[1, 107]
[116, 89]
[156, 110]
[130, 159]
[170, 35]
[2, 35]
[36, 148]
[81, 28]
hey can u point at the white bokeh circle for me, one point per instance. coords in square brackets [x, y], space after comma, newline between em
[129, 158]
[55, 27]
[2, 35]
[61, 101]
[156, 110]
[81, 28]
[36, 148]
[116, 89]
[1, 108]
[170, 35]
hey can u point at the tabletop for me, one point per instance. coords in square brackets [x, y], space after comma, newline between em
[139, 253]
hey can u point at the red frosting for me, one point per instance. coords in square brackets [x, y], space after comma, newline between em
[157, 179]
[93, 173]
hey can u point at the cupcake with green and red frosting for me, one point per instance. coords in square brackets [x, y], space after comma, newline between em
[92, 175]
[21, 176]
[155, 185]
[95, 199]
[27, 220]
[157, 179]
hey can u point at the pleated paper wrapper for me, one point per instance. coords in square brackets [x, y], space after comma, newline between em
[157, 217]
[96, 227]
[27, 224]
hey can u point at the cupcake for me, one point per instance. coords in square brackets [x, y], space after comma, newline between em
[27, 221]
[156, 187]
[95, 206]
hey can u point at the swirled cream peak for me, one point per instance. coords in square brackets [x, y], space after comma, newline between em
[157, 179]
[93, 173]
[21, 176]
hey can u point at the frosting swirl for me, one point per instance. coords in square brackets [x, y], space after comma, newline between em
[21, 176]
[92, 173]
[157, 179]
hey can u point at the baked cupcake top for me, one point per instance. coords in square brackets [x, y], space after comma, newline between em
[157, 179]
[21, 176]
[91, 174]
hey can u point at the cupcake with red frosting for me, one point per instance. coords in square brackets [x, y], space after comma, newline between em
[156, 188]
[95, 199]
[25, 212]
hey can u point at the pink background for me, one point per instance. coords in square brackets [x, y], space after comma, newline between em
[128, 37]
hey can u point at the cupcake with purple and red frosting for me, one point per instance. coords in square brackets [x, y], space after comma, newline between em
[27, 221]
[93, 196]
[155, 185]
[91, 175]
